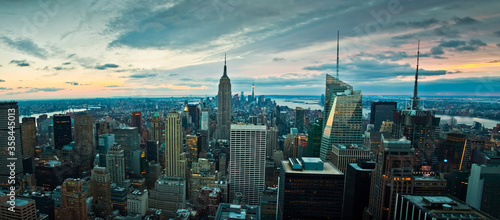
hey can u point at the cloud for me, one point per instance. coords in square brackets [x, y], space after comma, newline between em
[20, 63]
[390, 55]
[497, 33]
[142, 75]
[72, 83]
[173, 74]
[63, 68]
[1, 80]
[4, 88]
[105, 66]
[359, 70]
[498, 45]
[66, 63]
[35, 90]
[476, 42]
[48, 89]
[278, 59]
[494, 61]
[418, 24]
[437, 51]
[446, 31]
[465, 21]
[26, 46]
[452, 43]
[113, 86]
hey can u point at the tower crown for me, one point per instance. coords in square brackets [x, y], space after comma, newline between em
[224, 75]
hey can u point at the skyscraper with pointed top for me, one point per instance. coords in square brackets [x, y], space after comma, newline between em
[224, 106]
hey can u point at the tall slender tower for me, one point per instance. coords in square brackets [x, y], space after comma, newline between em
[415, 98]
[28, 129]
[84, 141]
[10, 136]
[224, 105]
[253, 91]
[173, 144]
[100, 189]
[73, 201]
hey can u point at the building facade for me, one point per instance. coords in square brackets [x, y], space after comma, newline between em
[247, 161]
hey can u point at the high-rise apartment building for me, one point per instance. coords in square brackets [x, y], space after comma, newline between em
[137, 202]
[224, 107]
[10, 136]
[28, 129]
[343, 117]
[247, 161]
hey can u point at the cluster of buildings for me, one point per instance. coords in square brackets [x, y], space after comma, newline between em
[246, 158]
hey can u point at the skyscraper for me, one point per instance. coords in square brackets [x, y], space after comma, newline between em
[115, 163]
[73, 201]
[299, 119]
[224, 106]
[28, 129]
[100, 190]
[130, 140]
[392, 175]
[156, 128]
[483, 192]
[169, 194]
[357, 190]
[10, 136]
[310, 189]
[342, 155]
[247, 161]
[343, 116]
[173, 145]
[84, 141]
[62, 130]
[382, 111]
[136, 121]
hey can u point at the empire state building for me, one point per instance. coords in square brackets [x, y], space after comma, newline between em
[224, 106]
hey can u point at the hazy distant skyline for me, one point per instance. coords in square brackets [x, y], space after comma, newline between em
[66, 49]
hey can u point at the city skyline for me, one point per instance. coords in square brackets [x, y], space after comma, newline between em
[68, 49]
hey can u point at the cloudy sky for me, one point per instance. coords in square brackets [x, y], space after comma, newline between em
[74, 49]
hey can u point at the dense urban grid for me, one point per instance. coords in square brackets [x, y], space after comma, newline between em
[246, 157]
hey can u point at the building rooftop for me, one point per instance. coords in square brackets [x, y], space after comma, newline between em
[445, 207]
[328, 168]
[232, 211]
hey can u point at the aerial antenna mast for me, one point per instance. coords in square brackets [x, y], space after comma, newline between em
[338, 32]
[415, 90]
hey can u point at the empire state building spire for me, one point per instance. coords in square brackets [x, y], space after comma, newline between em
[224, 106]
[224, 75]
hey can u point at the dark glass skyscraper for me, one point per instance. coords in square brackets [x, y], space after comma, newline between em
[10, 136]
[382, 111]
[224, 106]
[62, 130]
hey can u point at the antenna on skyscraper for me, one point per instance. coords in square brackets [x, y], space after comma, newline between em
[338, 33]
[415, 91]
